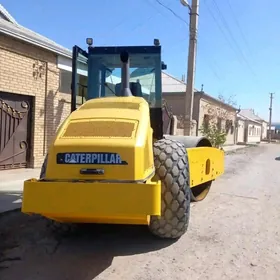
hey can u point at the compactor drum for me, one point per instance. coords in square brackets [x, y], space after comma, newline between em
[111, 160]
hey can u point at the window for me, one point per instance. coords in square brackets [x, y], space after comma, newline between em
[219, 124]
[145, 76]
[206, 120]
[228, 125]
[82, 93]
[250, 131]
[65, 81]
[231, 128]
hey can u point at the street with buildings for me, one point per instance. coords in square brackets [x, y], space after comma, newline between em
[233, 234]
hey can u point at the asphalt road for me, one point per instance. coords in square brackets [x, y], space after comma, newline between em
[234, 234]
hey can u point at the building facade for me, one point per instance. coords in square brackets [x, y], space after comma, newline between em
[250, 115]
[249, 130]
[205, 108]
[34, 93]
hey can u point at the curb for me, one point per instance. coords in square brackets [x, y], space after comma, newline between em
[234, 151]
[240, 149]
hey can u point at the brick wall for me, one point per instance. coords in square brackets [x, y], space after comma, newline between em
[207, 107]
[176, 102]
[29, 70]
[200, 108]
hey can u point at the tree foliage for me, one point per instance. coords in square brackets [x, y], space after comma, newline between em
[216, 136]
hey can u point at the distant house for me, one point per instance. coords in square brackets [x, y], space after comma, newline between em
[248, 130]
[204, 107]
[250, 114]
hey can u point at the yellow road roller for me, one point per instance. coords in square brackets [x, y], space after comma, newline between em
[115, 158]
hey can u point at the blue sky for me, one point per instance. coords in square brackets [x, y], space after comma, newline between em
[238, 42]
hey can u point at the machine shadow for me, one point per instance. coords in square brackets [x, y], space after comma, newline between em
[277, 158]
[95, 247]
[82, 254]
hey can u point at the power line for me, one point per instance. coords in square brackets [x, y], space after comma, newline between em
[142, 24]
[174, 13]
[124, 20]
[183, 40]
[238, 25]
[207, 61]
[233, 39]
[158, 12]
[219, 26]
[227, 27]
[210, 65]
[231, 35]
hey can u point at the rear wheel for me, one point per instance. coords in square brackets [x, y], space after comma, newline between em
[199, 193]
[171, 164]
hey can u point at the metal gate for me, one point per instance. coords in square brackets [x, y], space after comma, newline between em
[15, 124]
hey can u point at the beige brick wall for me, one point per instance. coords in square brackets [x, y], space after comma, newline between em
[29, 70]
[176, 103]
[200, 108]
[215, 110]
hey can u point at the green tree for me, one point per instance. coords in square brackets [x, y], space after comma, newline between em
[216, 136]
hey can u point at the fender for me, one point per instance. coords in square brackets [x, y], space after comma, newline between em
[198, 191]
[190, 141]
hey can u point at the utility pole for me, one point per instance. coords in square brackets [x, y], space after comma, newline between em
[270, 117]
[194, 9]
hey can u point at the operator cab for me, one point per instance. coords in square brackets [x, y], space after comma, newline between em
[120, 71]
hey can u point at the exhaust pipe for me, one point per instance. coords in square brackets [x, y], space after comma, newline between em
[125, 88]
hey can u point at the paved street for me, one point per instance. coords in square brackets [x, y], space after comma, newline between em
[234, 234]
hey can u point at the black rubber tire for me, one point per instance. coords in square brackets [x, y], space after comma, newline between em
[171, 164]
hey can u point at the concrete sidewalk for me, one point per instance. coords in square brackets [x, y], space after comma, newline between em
[232, 148]
[11, 186]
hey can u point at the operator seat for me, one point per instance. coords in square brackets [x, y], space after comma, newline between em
[135, 88]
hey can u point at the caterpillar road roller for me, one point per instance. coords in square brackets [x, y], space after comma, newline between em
[115, 158]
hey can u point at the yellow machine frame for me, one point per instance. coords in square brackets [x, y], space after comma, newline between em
[119, 196]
